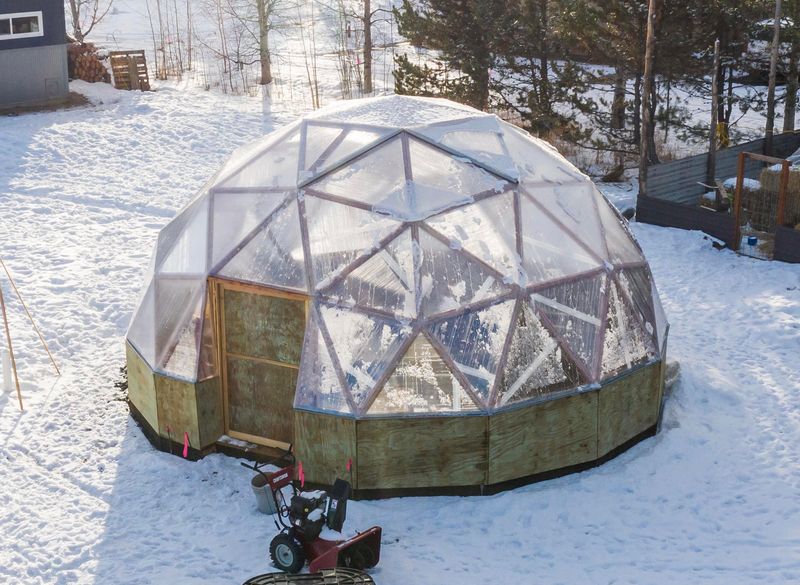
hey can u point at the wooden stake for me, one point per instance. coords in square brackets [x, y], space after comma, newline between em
[10, 348]
[712, 139]
[30, 317]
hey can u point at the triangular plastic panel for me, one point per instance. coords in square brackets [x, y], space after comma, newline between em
[275, 256]
[422, 383]
[661, 319]
[385, 281]
[172, 232]
[318, 140]
[338, 234]
[573, 205]
[182, 359]
[318, 384]
[626, 343]
[475, 340]
[236, 215]
[249, 151]
[485, 229]
[548, 252]
[353, 141]
[365, 346]
[178, 324]
[396, 111]
[449, 280]
[636, 282]
[142, 329]
[536, 365]
[377, 175]
[277, 167]
[574, 310]
[207, 365]
[536, 160]
[480, 139]
[188, 252]
[621, 246]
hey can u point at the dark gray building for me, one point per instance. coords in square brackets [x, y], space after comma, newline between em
[33, 52]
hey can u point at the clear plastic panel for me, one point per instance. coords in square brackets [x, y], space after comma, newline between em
[385, 281]
[365, 346]
[661, 319]
[621, 245]
[475, 341]
[537, 160]
[318, 140]
[318, 385]
[573, 206]
[422, 383]
[548, 252]
[536, 365]
[178, 324]
[626, 343]
[236, 215]
[449, 280]
[182, 359]
[395, 110]
[487, 230]
[338, 234]
[276, 167]
[207, 366]
[274, 256]
[248, 152]
[142, 330]
[183, 249]
[376, 176]
[573, 309]
[353, 141]
[637, 285]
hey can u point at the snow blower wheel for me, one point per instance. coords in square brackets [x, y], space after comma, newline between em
[286, 553]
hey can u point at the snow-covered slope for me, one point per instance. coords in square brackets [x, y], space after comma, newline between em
[84, 498]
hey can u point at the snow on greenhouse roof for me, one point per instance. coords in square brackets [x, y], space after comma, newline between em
[454, 263]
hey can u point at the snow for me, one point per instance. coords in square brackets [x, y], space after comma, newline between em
[85, 499]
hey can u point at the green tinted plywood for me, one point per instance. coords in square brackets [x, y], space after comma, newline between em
[209, 411]
[421, 452]
[324, 444]
[628, 406]
[263, 326]
[141, 387]
[542, 437]
[260, 398]
[177, 410]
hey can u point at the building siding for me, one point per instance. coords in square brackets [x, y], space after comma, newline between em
[33, 75]
[53, 23]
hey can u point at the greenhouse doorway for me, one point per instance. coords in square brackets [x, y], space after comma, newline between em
[261, 338]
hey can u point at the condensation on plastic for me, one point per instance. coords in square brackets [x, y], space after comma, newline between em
[537, 160]
[621, 246]
[235, 215]
[185, 251]
[449, 280]
[384, 282]
[485, 229]
[422, 383]
[548, 252]
[475, 341]
[574, 206]
[626, 343]
[573, 309]
[353, 141]
[535, 365]
[318, 385]
[637, 284]
[365, 345]
[661, 319]
[180, 358]
[276, 167]
[274, 256]
[207, 366]
[178, 323]
[318, 140]
[338, 234]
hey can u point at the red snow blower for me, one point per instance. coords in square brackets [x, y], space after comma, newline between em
[301, 523]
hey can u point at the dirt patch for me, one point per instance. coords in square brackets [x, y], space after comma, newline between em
[74, 100]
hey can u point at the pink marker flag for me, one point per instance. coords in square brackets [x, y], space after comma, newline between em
[349, 464]
[301, 475]
[185, 445]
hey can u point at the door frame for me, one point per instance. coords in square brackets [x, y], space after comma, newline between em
[217, 287]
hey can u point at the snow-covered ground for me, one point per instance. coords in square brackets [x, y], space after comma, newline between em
[84, 498]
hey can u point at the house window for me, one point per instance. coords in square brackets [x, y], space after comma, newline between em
[21, 25]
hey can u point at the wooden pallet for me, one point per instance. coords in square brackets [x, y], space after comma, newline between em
[130, 70]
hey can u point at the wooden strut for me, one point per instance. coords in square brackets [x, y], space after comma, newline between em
[10, 349]
[30, 318]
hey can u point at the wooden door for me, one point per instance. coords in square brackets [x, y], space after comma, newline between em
[261, 338]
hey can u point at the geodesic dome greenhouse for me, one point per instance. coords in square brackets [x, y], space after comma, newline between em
[401, 269]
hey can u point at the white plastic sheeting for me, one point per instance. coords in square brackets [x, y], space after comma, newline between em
[454, 264]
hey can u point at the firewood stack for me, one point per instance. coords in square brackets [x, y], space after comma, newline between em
[85, 63]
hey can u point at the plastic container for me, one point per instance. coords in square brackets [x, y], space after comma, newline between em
[752, 240]
[265, 502]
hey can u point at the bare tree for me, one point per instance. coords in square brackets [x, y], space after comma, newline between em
[85, 15]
